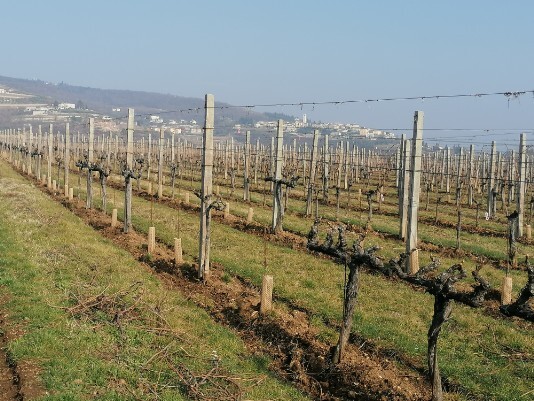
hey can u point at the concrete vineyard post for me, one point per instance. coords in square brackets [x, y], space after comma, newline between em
[459, 177]
[405, 186]
[160, 162]
[108, 156]
[313, 169]
[90, 151]
[277, 189]
[400, 167]
[206, 189]
[447, 169]
[256, 161]
[511, 177]
[173, 157]
[469, 175]
[522, 181]
[226, 146]
[347, 165]
[491, 179]
[50, 155]
[30, 138]
[149, 157]
[66, 159]
[413, 209]
[326, 168]
[246, 183]
[127, 174]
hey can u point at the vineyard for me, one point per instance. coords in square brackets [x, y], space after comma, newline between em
[167, 268]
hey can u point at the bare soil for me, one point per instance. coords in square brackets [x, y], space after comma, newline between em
[286, 335]
[18, 381]
[9, 380]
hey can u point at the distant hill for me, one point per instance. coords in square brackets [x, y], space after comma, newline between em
[104, 100]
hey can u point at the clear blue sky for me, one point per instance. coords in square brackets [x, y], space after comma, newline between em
[248, 52]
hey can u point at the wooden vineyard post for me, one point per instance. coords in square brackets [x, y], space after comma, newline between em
[178, 257]
[151, 240]
[521, 187]
[266, 304]
[313, 169]
[250, 215]
[246, 180]
[160, 162]
[506, 295]
[128, 173]
[506, 291]
[206, 189]
[114, 218]
[412, 260]
[66, 161]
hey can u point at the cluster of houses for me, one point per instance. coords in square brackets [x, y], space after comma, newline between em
[65, 111]
[334, 129]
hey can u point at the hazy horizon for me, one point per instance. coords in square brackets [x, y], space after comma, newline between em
[261, 53]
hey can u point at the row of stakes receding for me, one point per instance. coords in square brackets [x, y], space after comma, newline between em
[400, 180]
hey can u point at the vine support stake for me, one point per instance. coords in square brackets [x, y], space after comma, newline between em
[206, 189]
[412, 261]
[127, 174]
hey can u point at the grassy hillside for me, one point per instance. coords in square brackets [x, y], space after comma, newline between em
[103, 328]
